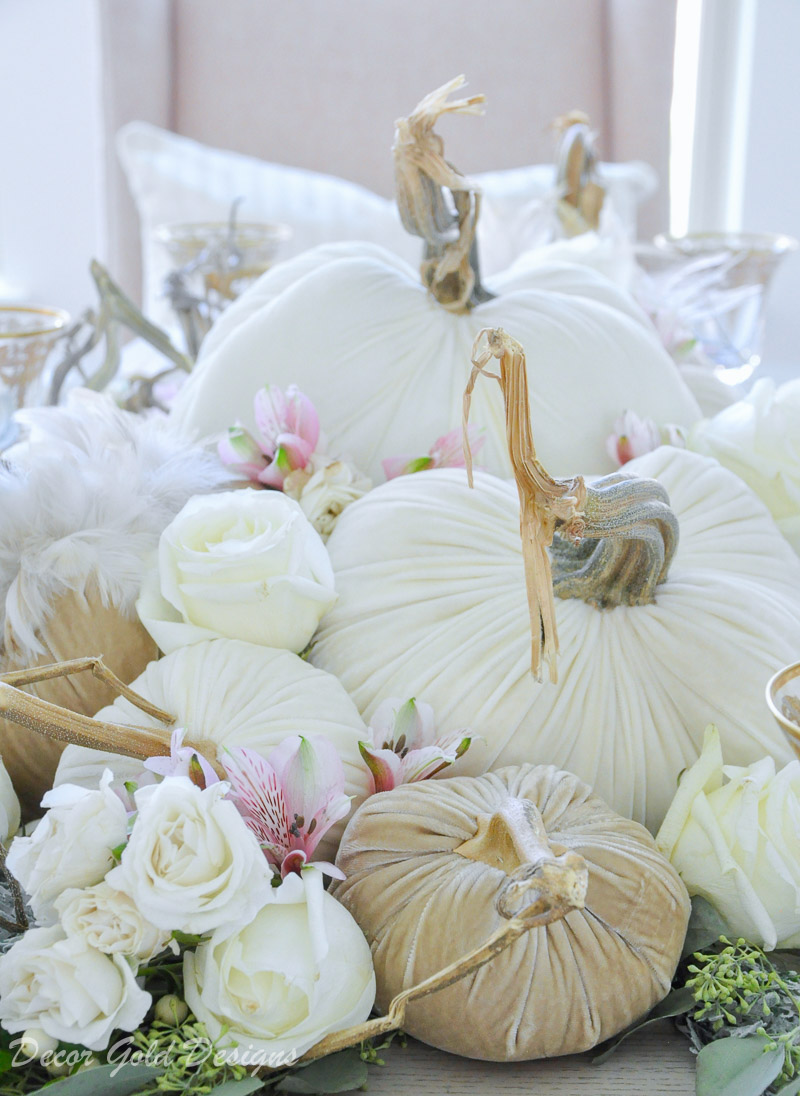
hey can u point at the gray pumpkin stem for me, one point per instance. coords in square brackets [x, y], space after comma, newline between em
[438, 203]
[628, 543]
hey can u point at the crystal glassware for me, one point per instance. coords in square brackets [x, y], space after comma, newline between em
[27, 335]
[718, 283]
[213, 262]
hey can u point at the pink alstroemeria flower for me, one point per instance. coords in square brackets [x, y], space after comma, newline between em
[288, 434]
[634, 436]
[291, 799]
[183, 761]
[446, 452]
[406, 748]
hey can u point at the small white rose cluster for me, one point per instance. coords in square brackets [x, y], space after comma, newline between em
[276, 967]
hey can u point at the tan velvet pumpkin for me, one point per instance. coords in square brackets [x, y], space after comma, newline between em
[79, 626]
[424, 865]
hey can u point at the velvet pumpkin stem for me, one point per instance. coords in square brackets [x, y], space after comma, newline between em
[544, 889]
[609, 544]
[544, 501]
[79, 730]
[580, 195]
[438, 203]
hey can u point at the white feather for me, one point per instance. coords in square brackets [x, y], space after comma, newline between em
[86, 497]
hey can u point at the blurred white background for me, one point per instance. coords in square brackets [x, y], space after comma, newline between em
[735, 153]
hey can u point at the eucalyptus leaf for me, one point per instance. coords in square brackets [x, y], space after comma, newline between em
[737, 1067]
[239, 1088]
[784, 961]
[110, 1080]
[675, 1003]
[342, 1072]
[792, 1089]
[705, 927]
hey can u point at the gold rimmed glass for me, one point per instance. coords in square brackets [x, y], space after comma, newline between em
[27, 335]
[783, 700]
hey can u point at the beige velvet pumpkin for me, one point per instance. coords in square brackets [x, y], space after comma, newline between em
[79, 626]
[559, 989]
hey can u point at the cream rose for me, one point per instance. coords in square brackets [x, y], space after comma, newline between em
[9, 806]
[110, 921]
[758, 438]
[244, 564]
[300, 970]
[736, 842]
[72, 845]
[191, 863]
[326, 490]
[69, 990]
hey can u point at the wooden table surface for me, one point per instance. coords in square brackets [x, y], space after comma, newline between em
[654, 1062]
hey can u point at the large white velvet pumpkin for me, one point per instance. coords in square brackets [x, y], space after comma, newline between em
[230, 693]
[385, 364]
[432, 604]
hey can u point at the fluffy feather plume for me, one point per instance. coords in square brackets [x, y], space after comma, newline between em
[84, 501]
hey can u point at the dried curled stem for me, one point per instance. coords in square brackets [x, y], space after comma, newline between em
[609, 544]
[544, 501]
[437, 203]
[544, 888]
[580, 194]
[80, 730]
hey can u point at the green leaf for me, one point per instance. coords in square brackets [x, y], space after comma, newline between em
[705, 927]
[6, 1060]
[340, 1072]
[239, 1088]
[126, 1079]
[792, 1089]
[784, 961]
[186, 939]
[675, 1003]
[737, 1067]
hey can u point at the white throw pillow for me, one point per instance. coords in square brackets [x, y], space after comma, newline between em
[174, 179]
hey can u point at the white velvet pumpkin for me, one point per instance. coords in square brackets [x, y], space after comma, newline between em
[353, 327]
[233, 693]
[432, 604]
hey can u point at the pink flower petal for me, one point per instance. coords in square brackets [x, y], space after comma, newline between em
[301, 417]
[312, 777]
[395, 466]
[385, 767]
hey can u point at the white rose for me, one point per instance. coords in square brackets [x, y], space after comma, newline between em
[69, 990]
[758, 438]
[72, 845]
[9, 806]
[110, 921]
[737, 843]
[327, 491]
[299, 971]
[191, 863]
[244, 564]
